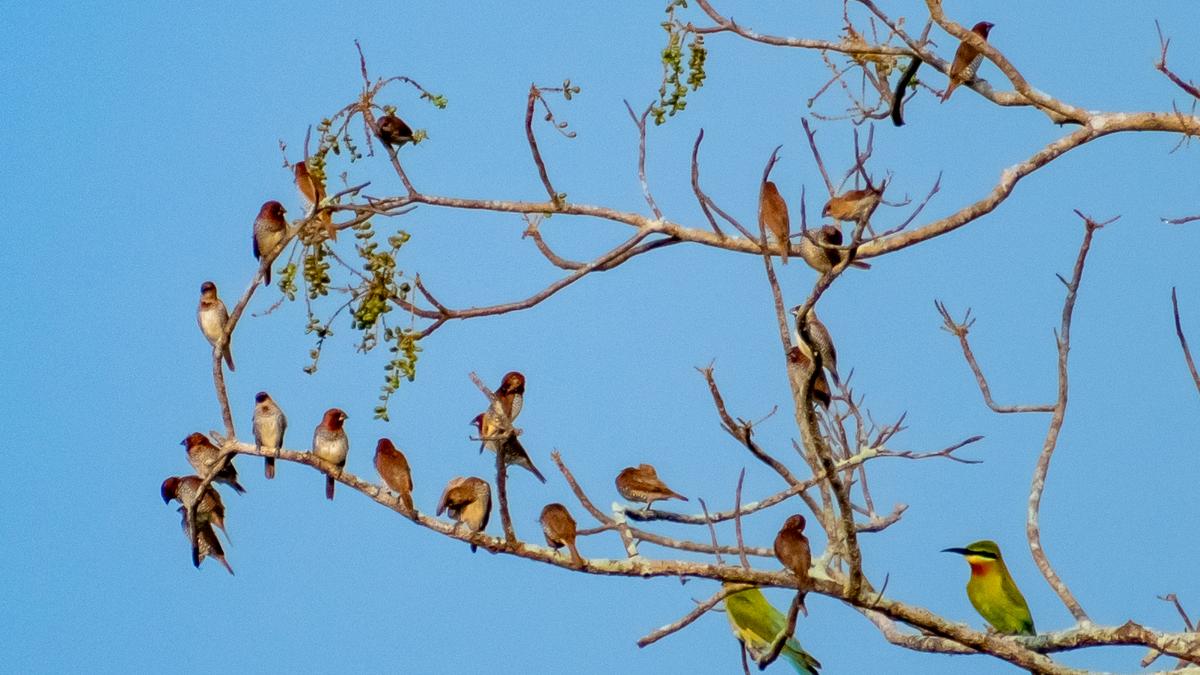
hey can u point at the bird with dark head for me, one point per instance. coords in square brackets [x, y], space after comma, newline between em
[494, 437]
[821, 394]
[992, 591]
[393, 131]
[792, 550]
[312, 193]
[210, 511]
[212, 317]
[331, 445]
[393, 468]
[819, 249]
[966, 60]
[641, 484]
[270, 228]
[559, 528]
[821, 339]
[773, 217]
[468, 501]
[203, 456]
[510, 395]
[270, 424]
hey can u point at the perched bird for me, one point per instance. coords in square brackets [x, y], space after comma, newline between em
[901, 86]
[814, 249]
[791, 548]
[209, 512]
[756, 623]
[641, 484]
[202, 455]
[510, 395]
[493, 435]
[331, 444]
[820, 390]
[392, 466]
[269, 426]
[822, 340]
[312, 193]
[559, 528]
[854, 205]
[992, 590]
[270, 228]
[966, 60]
[393, 131]
[212, 317]
[773, 216]
[469, 501]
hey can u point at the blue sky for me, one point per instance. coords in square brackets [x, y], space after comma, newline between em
[141, 141]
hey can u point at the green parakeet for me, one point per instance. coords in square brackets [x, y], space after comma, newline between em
[756, 623]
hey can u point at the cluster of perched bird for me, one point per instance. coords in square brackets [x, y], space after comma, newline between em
[467, 500]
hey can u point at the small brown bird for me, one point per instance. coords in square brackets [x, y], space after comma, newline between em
[854, 205]
[773, 216]
[820, 389]
[966, 60]
[312, 193]
[822, 340]
[792, 549]
[331, 444]
[510, 395]
[559, 528]
[490, 432]
[270, 424]
[202, 455]
[209, 512]
[392, 466]
[469, 501]
[393, 131]
[270, 228]
[813, 249]
[212, 317]
[641, 484]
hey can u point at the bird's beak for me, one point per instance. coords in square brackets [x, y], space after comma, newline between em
[960, 551]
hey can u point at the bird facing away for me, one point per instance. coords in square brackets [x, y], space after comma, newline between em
[814, 249]
[992, 590]
[792, 550]
[820, 389]
[202, 455]
[773, 217]
[854, 205]
[559, 528]
[212, 317]
[468, 501]
[270, 228]
[966, 60]
[492, 436]
[756, 623]
[270, 424]
[209, 512]
[822, 340]
[393, 131]
[510, 395]
[392, 466]
[641, 484]
[312, 193]
[331, 444]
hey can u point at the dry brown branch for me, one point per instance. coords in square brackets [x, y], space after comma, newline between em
[640, 122]
[700, 610]
[1164, 42]
[1187, 353]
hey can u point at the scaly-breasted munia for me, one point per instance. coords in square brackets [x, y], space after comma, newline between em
[209, 512]
[269, 426]
[392, 466]
[331, 445]
[820, 389]
[822, 340]
[490, 431]
[212, 317]
[966, 60]
[641, 484]
[773, 216]
[510, 395]
[854, 205]
[469, 501]
[202, 455]
[813, 249]
[312, 193]
[393, 131]
[270, 228]
[559, 528]
[792, 549]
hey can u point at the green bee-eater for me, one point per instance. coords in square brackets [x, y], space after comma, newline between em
[756, 623]
[992, 590]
